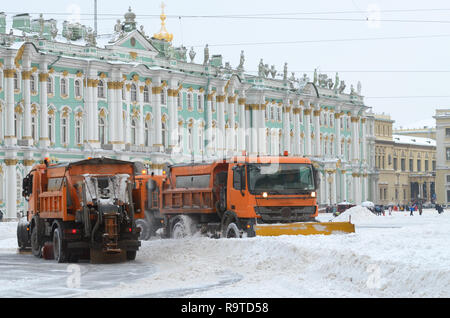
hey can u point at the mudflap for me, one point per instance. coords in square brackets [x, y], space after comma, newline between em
[305, 228]
[98, 256]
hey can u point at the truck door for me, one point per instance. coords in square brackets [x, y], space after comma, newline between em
[237, 191]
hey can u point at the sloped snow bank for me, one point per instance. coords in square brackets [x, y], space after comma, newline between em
[356, 214]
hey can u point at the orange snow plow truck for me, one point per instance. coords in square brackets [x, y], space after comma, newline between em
[242, 196]
[80, 209]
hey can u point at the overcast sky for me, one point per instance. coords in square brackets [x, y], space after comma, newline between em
[399, 50]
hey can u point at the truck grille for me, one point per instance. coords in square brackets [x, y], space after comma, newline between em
[271, 214]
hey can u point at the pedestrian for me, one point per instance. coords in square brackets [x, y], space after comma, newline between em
[420, 209]
[411, 209]
[390, 210]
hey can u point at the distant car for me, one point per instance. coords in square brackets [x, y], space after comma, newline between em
[343, 206]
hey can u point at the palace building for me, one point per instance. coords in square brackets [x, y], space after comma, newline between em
[70, 94]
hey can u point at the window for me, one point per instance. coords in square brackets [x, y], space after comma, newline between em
[133, 132]
[411, 165]
[448, 178]
[33, 83]
[395, 164]
[16, 81]
[403, 164]
[448, 195]
[146, 134]
[163, 97]
[146, 95]
[419, 165]
[133, 93]
[447, 132]
[164, 134]
[189, 101]
[34, 128]
[447, 153]
[63, 88]
[77, 89]
[51, 136]
[64, 131]
[180, 101]
[101, 89]
[200, 139]
[200, 102]
[78, 130]
[190, 140]
[49, 85]
[101, 130]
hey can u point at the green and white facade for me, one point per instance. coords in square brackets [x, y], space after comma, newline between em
[135, 97]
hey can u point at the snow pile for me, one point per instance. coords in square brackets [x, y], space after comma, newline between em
[356, 214]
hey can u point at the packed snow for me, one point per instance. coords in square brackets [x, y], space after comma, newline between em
[394, 255]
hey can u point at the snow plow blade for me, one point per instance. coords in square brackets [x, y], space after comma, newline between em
[313, 228]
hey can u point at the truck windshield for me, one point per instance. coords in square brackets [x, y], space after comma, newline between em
[280, 178]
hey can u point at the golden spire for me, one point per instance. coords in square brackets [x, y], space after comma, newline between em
[163, 34]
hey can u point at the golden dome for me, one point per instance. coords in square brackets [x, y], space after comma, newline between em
[163, 33]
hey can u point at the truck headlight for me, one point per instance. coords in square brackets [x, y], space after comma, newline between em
[313, 194]
[264, 194]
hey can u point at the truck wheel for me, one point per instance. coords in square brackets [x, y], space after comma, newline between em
[23, 239]
[59, 249]
[232, 231]
[145, 229]
[131, 255]
[36, 247]
[178, 230]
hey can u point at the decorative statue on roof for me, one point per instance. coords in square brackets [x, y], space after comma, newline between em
[273, 71]
[336, 82]
[261, 72]
[118, 28]
[352, 90]
[130, 23]
[315, 76]
[285, 71]
[358, 88]
[182, 51]
[292, 78]
[90, 37]
[266, 70]
[206, 55]
[53, 31]
[241, 62]
[342, 87]
[192, 54]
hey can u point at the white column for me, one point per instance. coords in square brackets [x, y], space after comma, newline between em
[44, 141]
[307, 123]
[209, 124]
[11, 188]
[221, 135]
[242, 124]
[232, 119]
[140, 128]
[254, 130]
[363, 139]
[156, 97]
[333, 188]
[297, 136]
[172, 93]
[355, 138]
[26, 89]
[337, 127]
[286, 127]
[10, 137]
[317, 132]
[113, 113]
[262, 128]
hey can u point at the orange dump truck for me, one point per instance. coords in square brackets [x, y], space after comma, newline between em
[80, 208]
[242, 196]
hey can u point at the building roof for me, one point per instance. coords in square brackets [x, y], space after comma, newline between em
[412, 140]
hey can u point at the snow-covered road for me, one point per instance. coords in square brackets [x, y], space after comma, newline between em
[388, 256]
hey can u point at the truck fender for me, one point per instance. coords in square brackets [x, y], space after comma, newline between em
[227, 218]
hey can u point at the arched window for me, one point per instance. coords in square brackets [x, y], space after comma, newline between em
[77, 88]
[51, 125]
[63, 88]
[133, 132]
[64, 130]
[200, 138]
[17, 126]
[49, 85]
[101, 89]
[78, 131]
[146, 95]
[34, 125]
[101, 130]
[133, 93]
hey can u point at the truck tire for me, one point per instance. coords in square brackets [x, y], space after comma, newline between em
[182, 226]
[232, 231]
[131, 255]
[144, 225]
[59, 249]
[36, 247]
[23, 239]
